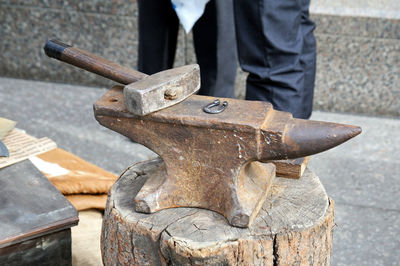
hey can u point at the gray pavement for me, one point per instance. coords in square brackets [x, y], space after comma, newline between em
[362, 175]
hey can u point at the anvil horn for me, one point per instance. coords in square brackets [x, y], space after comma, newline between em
[306, 137]
[299, 137]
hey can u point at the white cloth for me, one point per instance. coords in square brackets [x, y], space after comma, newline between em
[189, 11]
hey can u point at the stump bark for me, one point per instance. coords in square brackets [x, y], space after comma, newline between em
[294, 227]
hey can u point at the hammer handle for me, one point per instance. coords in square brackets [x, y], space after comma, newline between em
[91, 62]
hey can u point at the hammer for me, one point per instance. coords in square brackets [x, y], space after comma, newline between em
[143, 94]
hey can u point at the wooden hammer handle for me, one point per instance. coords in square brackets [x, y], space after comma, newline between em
[91, 62]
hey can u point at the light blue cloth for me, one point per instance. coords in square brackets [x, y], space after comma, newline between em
[189, 11]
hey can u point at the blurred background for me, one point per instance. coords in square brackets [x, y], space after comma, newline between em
[358, 47]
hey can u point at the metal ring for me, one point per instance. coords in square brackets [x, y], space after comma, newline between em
[215, 103]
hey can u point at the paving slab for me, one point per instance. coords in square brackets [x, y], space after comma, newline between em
[362, 175]
[365, 236]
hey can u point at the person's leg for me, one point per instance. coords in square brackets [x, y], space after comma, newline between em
[158, 29]
[215, 47]
[308, 58]
[270, 44]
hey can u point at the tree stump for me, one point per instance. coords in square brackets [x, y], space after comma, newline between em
[294, 227]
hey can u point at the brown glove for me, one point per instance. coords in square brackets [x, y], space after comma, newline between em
[78, 176]
[85, 202]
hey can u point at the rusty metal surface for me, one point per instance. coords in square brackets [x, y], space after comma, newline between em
[206, 155]
[162, 89]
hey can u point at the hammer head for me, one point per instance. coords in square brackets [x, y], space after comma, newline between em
[161, 90]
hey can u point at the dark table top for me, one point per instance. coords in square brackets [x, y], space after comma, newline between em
[30, 206]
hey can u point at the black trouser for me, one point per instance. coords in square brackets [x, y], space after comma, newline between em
[214, 42]
[277, 47]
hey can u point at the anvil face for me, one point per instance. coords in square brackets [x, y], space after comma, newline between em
[210, 160]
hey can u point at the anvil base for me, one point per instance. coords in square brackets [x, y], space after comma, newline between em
[239, 203]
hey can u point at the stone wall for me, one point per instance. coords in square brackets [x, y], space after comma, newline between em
[358, 63]
[107, 30]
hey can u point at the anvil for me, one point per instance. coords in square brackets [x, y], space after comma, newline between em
[211, 159]
[215, 161]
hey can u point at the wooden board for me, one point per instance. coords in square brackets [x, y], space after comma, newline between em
[30, 206]
[294, 226]
[293, 168]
